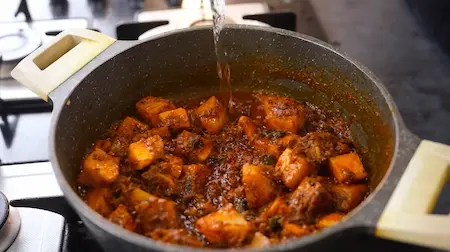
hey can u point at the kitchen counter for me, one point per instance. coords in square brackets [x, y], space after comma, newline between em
[384, 36]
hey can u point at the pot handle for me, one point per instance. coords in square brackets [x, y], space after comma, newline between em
[407, 217]
[51, 64]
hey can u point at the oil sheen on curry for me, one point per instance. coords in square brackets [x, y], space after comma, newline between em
[190, 173]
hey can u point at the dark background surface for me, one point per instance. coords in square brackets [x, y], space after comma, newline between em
[385, 37]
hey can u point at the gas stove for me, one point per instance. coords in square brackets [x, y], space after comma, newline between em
[198, 12]
[48, 223]
[25, 119]
[35, 201]
[39, 218]
[19, 107]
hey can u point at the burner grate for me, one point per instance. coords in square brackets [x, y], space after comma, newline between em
[132, 30]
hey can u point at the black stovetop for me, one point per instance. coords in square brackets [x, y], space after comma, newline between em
[78, 239]
[47, 196]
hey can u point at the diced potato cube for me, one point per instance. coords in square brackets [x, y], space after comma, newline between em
[198, 171]
[153, 212]
[293, 168]
[286, 123]
[259, 189]
[172, 165]
[289, 140]
[123, 218]
[145, 151]
[185, 142]
[347, 168]
[104, 145]
[163, 182]
[175, 236]
[161, 131]
[150, 107]
[138, 196]
[329, 220]
[195, 177]
[97, 199]
[175, 119]
[159, 213]
[342, 148]
[119, 146]
[212, 115]
[310, 198]
[277, 208]
[193, 146]
[202, 151]
[320, 146]
[130, 126]
[225, 227]
[282, 113]
[293, 230]
[274, 146]
[268, 146]
[246, 123]
[100, 168]
[347, 197]
[259, 241]
[200, 207]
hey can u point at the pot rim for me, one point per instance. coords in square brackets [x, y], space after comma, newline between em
[350, 223]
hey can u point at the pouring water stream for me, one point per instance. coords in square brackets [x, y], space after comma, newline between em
[223, 69]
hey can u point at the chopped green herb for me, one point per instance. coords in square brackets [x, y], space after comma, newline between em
[328, 128]
[275, 224]
[188, 185]
[269, 160]
[273, 134]
[250, 215]
[242, 205]
[212, 161]
[198, 144]
[117, 194]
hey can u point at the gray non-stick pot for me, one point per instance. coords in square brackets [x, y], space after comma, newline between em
[93, 80]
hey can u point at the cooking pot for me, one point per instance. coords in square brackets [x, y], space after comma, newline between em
[93, 80]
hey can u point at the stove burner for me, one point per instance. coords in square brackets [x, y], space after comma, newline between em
[16, 44]
[23, 8]
[4, 209]
[210, 22]
[7, 129]
[132, 31]
[195, 13]
[9, 223]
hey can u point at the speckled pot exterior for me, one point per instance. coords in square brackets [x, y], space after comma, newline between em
[182, 63]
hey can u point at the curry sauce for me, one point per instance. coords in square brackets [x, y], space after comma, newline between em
[191, 173]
